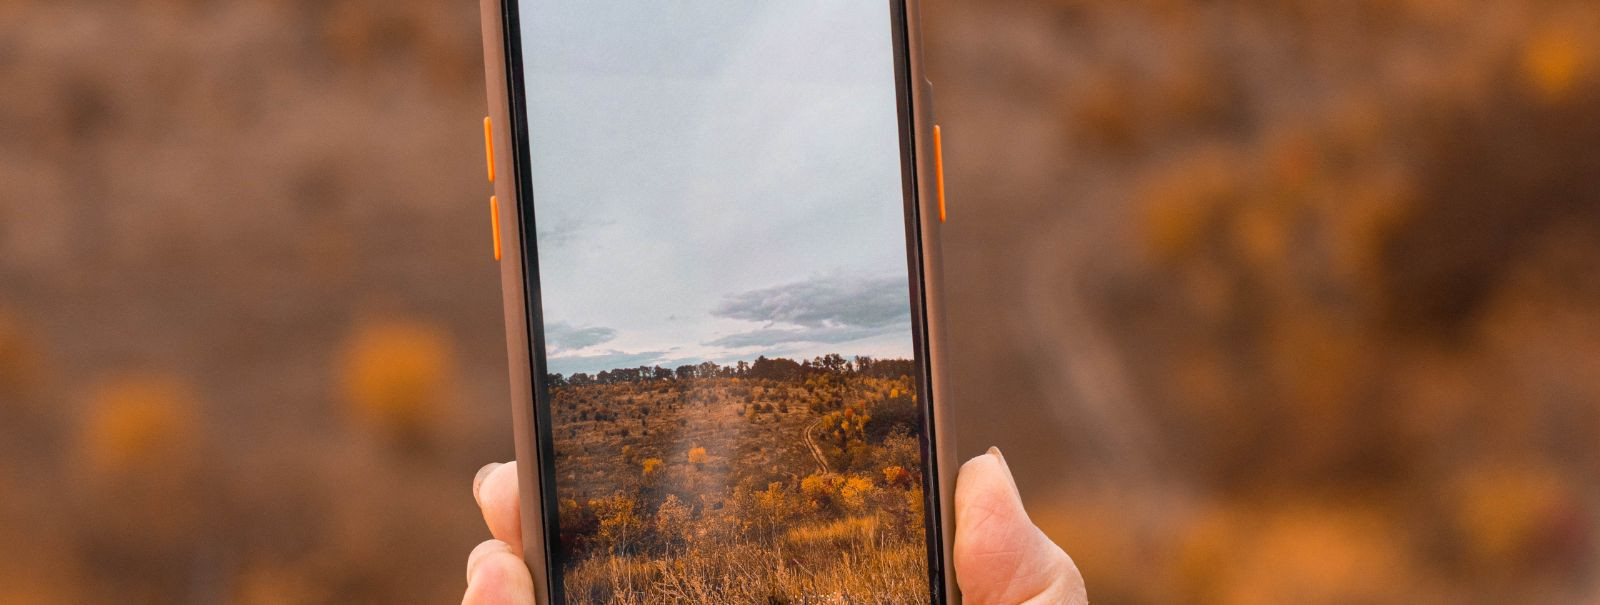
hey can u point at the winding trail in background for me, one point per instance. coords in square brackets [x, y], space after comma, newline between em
[811, 445]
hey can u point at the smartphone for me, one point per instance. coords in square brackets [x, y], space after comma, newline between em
[717, 223]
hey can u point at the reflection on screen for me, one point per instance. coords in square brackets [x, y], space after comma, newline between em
[722, 259]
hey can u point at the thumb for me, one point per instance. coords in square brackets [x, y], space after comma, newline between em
[1001, 558]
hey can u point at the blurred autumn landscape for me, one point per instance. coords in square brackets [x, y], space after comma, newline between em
[1266, 302]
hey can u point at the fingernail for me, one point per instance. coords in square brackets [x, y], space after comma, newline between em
[477, 481]
[482, 551]
[995, 451]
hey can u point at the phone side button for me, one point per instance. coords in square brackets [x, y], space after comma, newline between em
[494, 221]
[488, 145]
[938, 168]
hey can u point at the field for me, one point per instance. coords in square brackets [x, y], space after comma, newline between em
[1266, 302]
[772, 482]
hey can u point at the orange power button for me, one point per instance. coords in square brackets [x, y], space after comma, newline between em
[488, 146]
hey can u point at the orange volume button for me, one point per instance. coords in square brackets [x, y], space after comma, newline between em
[494, 221]
[488, 146]
[938, 168]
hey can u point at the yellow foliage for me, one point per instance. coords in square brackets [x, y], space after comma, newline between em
[620, 524]
[140, 423]
[854, 492]
[771, 499]
[650, 465]
[397, 373]
[1504, 513]
[697, 456]
[1552, 61]
[818, 486]
[896, 475]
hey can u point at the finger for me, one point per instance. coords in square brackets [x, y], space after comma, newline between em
[1001, 557]
[497, 576]
[496, 492]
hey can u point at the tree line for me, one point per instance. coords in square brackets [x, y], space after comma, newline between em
[775, 368]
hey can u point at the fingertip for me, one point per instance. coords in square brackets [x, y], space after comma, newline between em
[481, 551]
[989, 458]
[477, 480]
[497, 576]
[985, 481]
[498, 497]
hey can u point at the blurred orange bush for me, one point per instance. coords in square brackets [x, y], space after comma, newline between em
[141, 425]
[396, 375]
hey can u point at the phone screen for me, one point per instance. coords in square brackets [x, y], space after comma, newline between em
[732, 377]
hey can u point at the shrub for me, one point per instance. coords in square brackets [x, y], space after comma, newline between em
[650, 465]
[672, 520]
[854, 492]
[396, 375]
[821, 490]
[141, 424]
[896, 476]
[1553, 61]
[620, 525]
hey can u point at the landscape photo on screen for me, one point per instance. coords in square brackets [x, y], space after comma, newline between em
[721, 249]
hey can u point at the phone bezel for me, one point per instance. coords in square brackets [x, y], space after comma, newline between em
[940, 584]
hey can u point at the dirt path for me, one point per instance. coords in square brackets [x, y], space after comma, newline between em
[811, 445]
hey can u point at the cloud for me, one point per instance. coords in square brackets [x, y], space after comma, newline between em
[555, 231]
[610, 360]
[826, 309]
[773, 336]
[822, 301]
[562, 337]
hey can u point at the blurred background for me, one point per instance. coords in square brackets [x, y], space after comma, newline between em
[1267, 301]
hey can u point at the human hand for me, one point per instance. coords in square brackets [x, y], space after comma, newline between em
[496, 574]
[1001, 558]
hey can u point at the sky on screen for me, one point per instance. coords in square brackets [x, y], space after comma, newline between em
[715, 180]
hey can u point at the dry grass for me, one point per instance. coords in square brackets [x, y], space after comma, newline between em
[714, 489]
[860, 569]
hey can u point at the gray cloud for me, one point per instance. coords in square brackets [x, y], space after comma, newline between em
[561, 337]
[827, 309]
[824, 301]
[609, 360]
